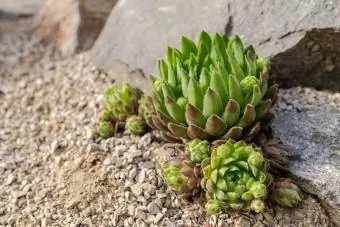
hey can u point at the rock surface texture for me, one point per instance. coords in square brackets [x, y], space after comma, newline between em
[313, 137]
[20, 7]
[72, 25]
[299, 35]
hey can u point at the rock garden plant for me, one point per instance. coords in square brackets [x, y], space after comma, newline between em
[215, 97]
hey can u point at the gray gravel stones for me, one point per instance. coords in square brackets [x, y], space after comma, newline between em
[55, 173]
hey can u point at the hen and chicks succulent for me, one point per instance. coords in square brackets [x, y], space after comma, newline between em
[215, 96]
[121, 108]
[215, 89]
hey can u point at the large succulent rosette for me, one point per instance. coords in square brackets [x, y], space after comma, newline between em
[215, 89]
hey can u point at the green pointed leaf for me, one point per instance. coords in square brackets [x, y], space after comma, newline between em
[236, 68]
[214, 176]
[254, 170]
[250, 182]
[177, 130]
[153, 79]
[251, 64]
[163, 70]
[230, 46]
[192, 61]
[256, 97]
[262, 108]
[226, 40]
[171, 77]
[247, 196]
[263, 65]
[169, 56]
[215, 126]
[227, 161]
[242, 165]
[221, 184]
[197, 132]
[219, 42]
[167, 90]
[235, 91]
[220, 195]
[216, 162]
[233, 197]
[158, 101]
[174, 110]
[205, 39]
[188, 47]
[202, 53]
[231, 113]
[224, 74]
[222, 170]
[216, 56]
[212, 103]
[238, 51]
[234, 133]
[177, 54]
[207, 61]
[224, 151]
[248, 117]
[204, 79]
[218, 85]
[194, 116]
[240, 189]
[184, 78]
[193, 73]
[245, 177]
[195, 96]
[250, 49]
[233, 168]
[206, 171]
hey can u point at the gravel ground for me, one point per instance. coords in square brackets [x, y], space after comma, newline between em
[53, 172]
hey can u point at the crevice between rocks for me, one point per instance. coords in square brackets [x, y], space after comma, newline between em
[313, 62]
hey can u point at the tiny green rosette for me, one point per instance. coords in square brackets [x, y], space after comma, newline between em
[236, 175]
[135, 125]
[285, 193]
[182, 175]
[197, 150]
[105, 129]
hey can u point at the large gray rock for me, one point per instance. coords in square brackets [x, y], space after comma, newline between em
[313, 137]
[294, 33]
[72, 25]
[20, 7]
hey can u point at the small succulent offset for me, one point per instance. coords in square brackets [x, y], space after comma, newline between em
[106, 129]
[215, 89]
[182, 175]
[284, 192]
[122, 101]
[235, 177]
[197, 150]
[135, 125]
